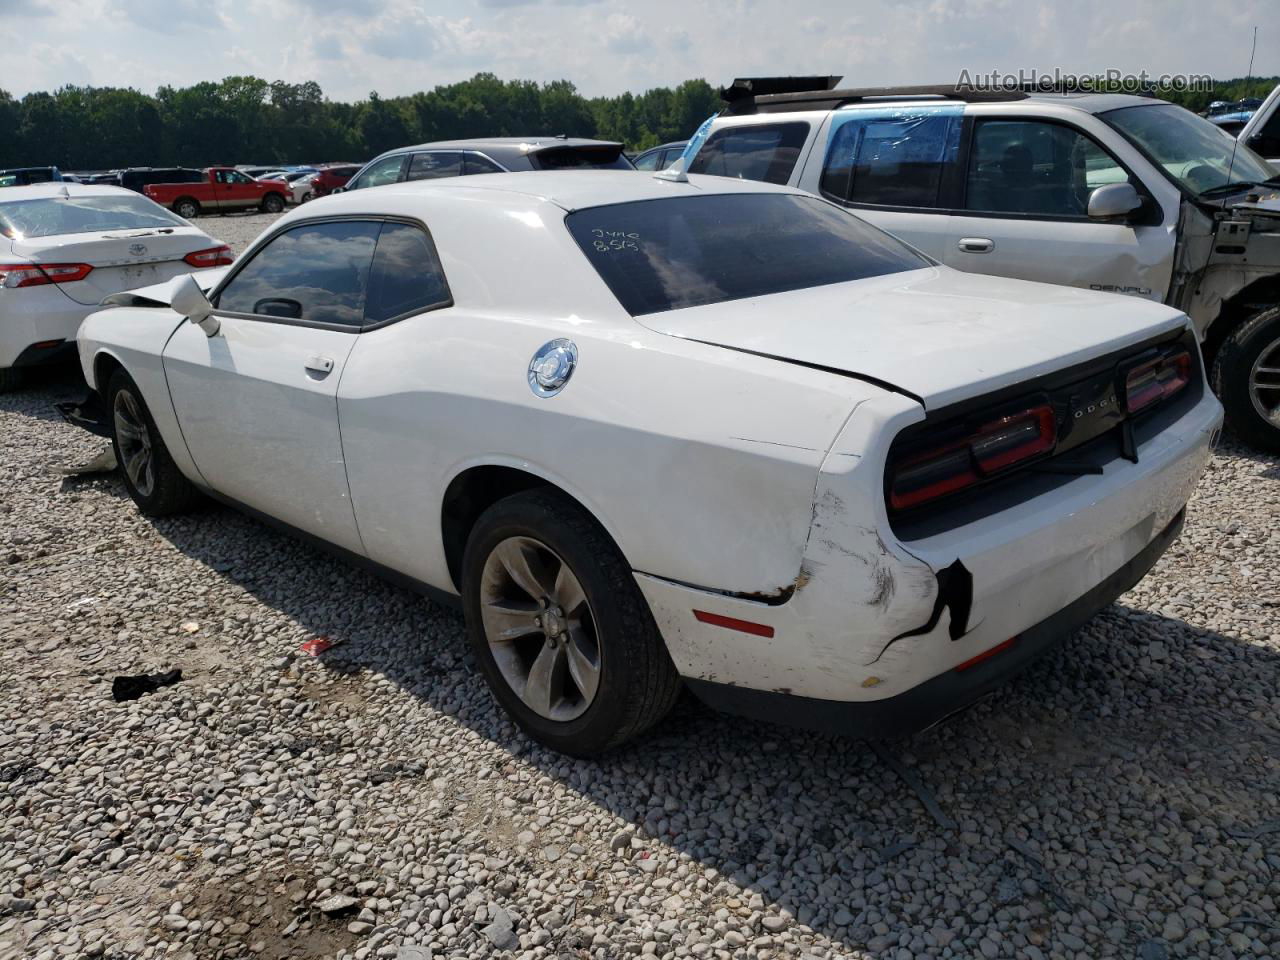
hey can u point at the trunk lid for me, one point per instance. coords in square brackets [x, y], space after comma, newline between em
[121, 259]
[937, 334]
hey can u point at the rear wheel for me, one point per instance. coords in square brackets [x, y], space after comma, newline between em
[272, 203]
[1246, 377]
[561, 631]
[153, 480]
[305, 197]
[187, 208]
[10, 378]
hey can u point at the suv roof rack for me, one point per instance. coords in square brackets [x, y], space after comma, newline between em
[785, 94]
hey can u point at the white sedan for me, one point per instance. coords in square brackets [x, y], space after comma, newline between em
[714, 433]
[64, 247]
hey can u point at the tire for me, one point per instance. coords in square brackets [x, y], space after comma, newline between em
[272, 203]
[158, 487]
[605, 619]
[187, 208]
[305, 198]
[1251, 396]
[10, 378]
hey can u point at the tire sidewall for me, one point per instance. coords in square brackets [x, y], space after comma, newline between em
[120, 382]
[188, 210]
[1231, 369]
[591, 731]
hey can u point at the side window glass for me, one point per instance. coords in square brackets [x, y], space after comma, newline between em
[648, 161]
[1266, 141]
[432, 166]
[765, 152]
[895, 159]
[1035, 168]
[406, 274]
[316, 272]
[386, 170]
[475, 163]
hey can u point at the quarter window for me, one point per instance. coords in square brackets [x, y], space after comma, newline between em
[648, 161]
[766, 151]
[1034, 168]
[380, 172]
[433, 166]
[406, 275]
[318, 273]
[475, 163]
[892, 159]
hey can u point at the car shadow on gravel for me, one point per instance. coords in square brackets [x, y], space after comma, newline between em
[1070, 801]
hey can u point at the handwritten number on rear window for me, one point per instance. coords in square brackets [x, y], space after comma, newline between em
[610, 241]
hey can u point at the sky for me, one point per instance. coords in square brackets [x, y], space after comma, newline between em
[352, 47]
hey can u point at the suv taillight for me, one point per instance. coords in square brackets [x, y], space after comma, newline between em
[1148, 381]
[994, 447]
[213, 257]
[14, 275]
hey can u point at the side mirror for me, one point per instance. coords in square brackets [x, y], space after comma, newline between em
[186, 297]
[1113, 200]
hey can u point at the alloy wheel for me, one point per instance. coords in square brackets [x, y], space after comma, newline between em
[540, 628]
[1264, 383]
[134, 440]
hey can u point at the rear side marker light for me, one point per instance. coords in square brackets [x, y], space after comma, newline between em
[989, 450]
[213, 257]
[1151, 381]
[17, 275]
[985, 655]
[733, 623]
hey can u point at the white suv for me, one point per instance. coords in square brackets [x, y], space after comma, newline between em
[1110, 192]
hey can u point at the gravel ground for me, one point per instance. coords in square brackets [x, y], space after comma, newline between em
[237, 229]
[1120, 799]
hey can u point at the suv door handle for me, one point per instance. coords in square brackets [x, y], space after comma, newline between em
[320, 365]
[976, 245]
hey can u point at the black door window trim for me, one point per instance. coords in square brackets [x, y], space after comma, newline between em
[263, 243]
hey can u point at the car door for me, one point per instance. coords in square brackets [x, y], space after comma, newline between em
[1262, 133]
[233, 190]
[380, 172]
[257, 402]
[1023, 212]
[894, 165]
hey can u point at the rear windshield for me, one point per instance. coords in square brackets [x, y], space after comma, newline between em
[579, 158]
[54, 216]
[658, 255]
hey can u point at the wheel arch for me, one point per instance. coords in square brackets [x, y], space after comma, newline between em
[1239, 307]
[105, 363]
[479, 486]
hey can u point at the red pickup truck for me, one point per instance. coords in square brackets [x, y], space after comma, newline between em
[222, 190]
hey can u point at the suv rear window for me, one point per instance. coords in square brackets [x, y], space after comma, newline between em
[608, 157]
[658, 255]
[763, 151]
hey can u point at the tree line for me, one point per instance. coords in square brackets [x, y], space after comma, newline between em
[250, 120]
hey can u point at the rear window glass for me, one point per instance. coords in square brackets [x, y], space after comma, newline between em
[766, 151]
[659, 255]
[589, 158]
[54, 216]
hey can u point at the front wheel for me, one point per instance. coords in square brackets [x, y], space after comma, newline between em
[562, 633]
[305, 197]
[153, 480]
[272, 203]
[1246, 378]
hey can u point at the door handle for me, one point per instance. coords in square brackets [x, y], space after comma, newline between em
[976, 245]
[319, 365]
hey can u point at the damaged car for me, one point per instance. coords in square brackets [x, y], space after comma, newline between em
[1125, 194]
[654, 432]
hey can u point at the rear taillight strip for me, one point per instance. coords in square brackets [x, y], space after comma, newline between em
[17, 275]
[1150, 381]
[213, 257]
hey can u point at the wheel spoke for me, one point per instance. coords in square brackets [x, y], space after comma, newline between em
[567, 592]
[524, 568]
[543, 679]
[127, 431]
[134, 466]
[584, 667]
[505, 620]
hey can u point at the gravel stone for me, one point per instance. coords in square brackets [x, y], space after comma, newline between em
[373, 802]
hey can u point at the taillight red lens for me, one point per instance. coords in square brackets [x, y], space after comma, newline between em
[960, 463]
[1157, 379]
[213, 257]
[14, 275]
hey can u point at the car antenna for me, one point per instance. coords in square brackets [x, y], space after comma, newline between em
[1247, 77]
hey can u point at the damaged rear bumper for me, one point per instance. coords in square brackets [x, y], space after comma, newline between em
[924, 705]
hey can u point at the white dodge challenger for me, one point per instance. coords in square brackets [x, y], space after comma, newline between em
[710, 433]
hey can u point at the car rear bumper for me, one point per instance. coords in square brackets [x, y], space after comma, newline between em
[38, 315]
[935, 699]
